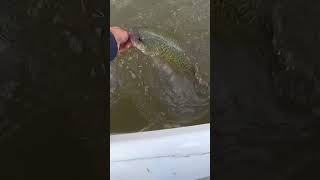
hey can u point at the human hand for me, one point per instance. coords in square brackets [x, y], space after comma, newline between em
[122, 37]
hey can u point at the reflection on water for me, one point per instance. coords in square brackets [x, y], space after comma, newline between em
[146, 94]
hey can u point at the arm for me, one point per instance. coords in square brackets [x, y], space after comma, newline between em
[113, 47]
[119, 41]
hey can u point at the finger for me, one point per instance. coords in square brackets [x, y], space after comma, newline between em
[124, 38]
[128, 45]
[122, 50]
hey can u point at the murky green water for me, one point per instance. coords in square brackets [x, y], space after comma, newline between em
[142, 97]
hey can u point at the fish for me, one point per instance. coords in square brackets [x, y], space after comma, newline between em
[157, 45]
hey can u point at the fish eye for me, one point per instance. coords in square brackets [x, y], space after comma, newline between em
[140, 39]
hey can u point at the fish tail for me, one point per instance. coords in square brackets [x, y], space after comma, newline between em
[201, 86]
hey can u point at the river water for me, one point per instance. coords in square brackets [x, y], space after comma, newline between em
[142, 97]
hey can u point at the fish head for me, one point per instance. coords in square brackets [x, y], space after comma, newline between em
[138, 40]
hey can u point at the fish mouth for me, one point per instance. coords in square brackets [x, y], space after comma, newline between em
[135, 38]
[135, 42]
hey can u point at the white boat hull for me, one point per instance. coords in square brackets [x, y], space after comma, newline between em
[179, 153]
